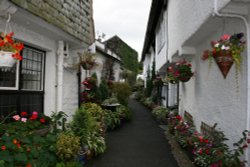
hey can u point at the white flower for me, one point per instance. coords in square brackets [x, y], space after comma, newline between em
[216, 45]
[225, 47]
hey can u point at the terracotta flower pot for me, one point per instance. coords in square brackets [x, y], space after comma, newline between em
[224, 62]
[185, 78]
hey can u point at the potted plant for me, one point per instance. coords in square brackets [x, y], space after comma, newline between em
[225, 52]
[9, 50]
[179, 71]
[87, 60]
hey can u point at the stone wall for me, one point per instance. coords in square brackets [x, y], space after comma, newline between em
[73, 16]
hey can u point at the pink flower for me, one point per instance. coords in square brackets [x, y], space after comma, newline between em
[35, 113]
[16, 117]
[213, 43]
[225, 37]
[23, 119]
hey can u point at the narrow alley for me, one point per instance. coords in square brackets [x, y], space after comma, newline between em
[139, 143]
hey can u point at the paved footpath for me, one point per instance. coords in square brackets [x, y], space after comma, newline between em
[139, 143]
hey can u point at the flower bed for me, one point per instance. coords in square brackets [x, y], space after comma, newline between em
[205, 150]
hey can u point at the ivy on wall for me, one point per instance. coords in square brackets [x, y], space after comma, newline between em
[127, 54]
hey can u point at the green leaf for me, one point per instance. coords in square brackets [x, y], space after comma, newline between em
[5, 156]
[21, 157]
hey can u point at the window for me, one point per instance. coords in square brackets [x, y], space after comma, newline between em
[21, 88]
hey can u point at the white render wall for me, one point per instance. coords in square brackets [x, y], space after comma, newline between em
[185, 17]
[161, 35]
[35, 39]
[211, 98]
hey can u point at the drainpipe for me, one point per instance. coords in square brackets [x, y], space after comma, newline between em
[60, 60]
[216, 13]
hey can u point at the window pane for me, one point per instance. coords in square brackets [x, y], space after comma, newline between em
[8, 77]
[32, 64]
[31, 102]
[8, 104]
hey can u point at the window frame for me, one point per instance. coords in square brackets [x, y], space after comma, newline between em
[18, 91]
[17, 79]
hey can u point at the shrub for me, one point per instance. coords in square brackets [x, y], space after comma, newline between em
[88, 124]
[67, 146]
[22, 144]
[103, 90]
[122, 92]
[160, 113]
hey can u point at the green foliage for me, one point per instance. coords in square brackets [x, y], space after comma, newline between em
[58, 120]
[69, 164]
[128, 56]
[124, 112]
[122, 92]
[160, 113]
[88, 124]
[67, 146]
[21, 145]
[104, 91]
[111, 100]
[112, 119]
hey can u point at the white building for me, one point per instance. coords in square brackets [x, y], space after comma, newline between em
[109, 65]
[53, 33]
[180, 29]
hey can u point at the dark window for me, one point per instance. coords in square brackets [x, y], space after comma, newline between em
[21, 88]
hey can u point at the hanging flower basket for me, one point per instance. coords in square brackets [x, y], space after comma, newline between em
[6, 59]
[87, 60]
[9, 50]
[179, 71]
[224, 62]
[225, 52]
[185, 78]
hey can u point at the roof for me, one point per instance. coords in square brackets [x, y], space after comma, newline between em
[156, 8]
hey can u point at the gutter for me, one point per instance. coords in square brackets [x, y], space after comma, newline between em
[60, 61]
[244, 19]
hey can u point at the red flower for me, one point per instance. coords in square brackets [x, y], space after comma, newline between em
[248, 141]
[213, 43]
[14, 141]
[201, 138]
[24, 114]
[206, 140]
[33, 117]
[225, 37]
[3, 148]
[17, 56]
[244, 146]
[207, 151]
[42, 120]
[176, 73]
[178, 117]
[8, 38]
[28, 165]
[1, 43]
[18, 145]
[18, 46]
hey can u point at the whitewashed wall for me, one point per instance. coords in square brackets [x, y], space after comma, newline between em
[30, 37]
[211, 98]
[161, 41]
[185, 17]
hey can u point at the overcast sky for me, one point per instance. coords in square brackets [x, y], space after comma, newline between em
[125, 18]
